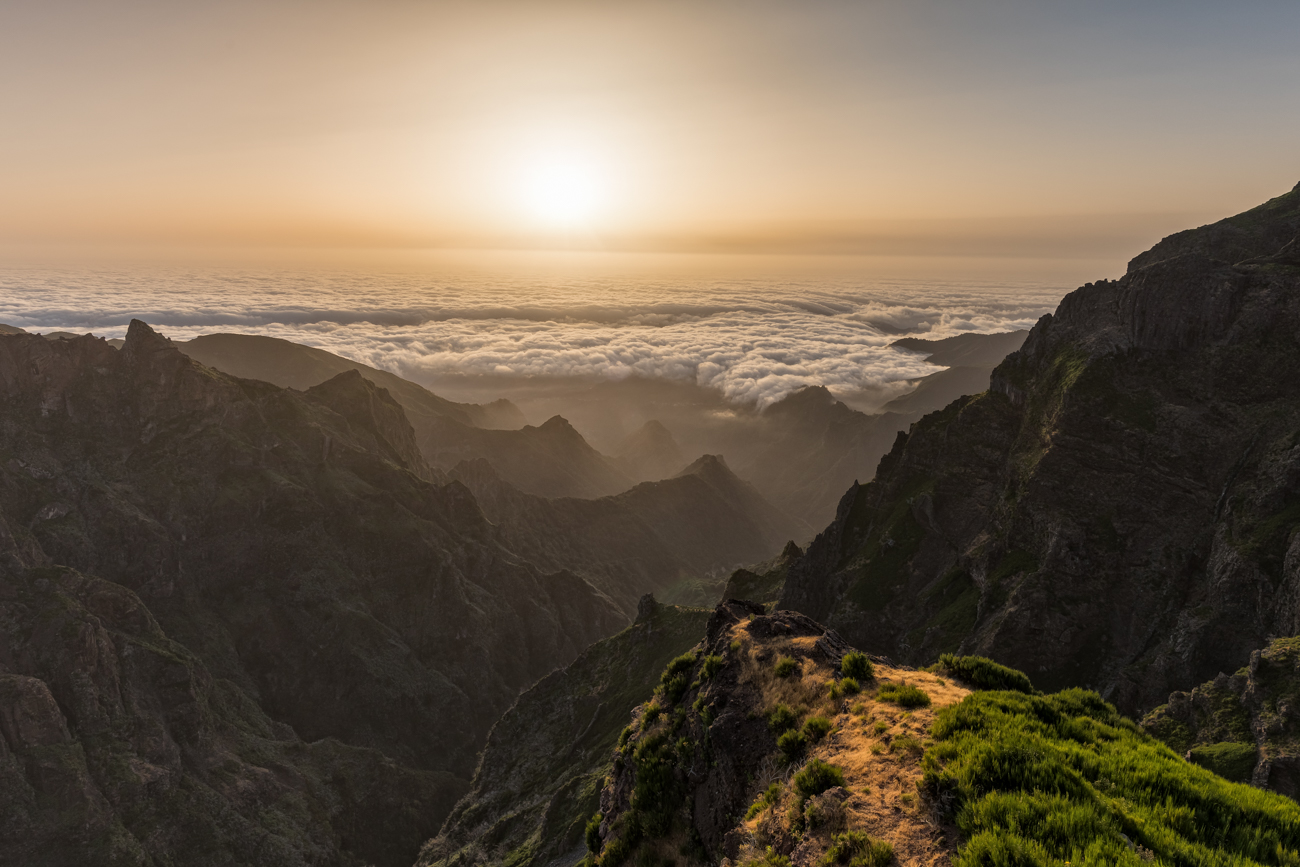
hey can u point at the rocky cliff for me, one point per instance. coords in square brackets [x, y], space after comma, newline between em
[295, 546]
[1118, 510]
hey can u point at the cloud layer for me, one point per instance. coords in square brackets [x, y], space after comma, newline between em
[753, 340]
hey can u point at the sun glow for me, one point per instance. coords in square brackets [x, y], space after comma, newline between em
[564, 191]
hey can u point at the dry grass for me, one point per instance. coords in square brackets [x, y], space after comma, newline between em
[883, 801]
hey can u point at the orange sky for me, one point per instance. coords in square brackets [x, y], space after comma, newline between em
[879, 127]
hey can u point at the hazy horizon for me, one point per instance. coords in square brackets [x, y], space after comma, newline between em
[1009, 129]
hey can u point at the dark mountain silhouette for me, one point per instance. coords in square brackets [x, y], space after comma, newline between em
[1119, 509]
[234, 570]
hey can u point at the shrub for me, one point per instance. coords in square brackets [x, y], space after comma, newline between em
[906, 744]
[624, 736]
[903, 694]
[880, 727]
[680, 665]
[856, 665]
[674, 688]
[712, 665]
[736, 645]
[792, 744]
[593, 834]
[770, 859]
[856, 849]
[983, 673]
[816, 777]
[765, 800]
[785, 666]
[781, 719]
[1045, 779]
[1231, 761]
[652, 713]
[817, 728]
[850, 686]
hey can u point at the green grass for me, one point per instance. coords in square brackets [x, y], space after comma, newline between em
[1043, 780]
[903, 694]
[983, 673]
[785, 666]
[1232, 761]
[765, 800]
[857, 665]
[781, 719]
[816, 728]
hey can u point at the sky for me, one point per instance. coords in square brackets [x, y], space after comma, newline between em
[904, 128]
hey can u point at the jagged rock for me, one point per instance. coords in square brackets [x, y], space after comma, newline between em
[1117, 511]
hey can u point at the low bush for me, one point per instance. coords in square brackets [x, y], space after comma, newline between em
[592, 833]
[1047, 779]
[792, 745]
[850, 686]
[1231, 761]
[770, 859]
[856, 849]
[765, 800]
[906, 744]
[781, 719]
[983, 673]
[785, 666]
[903, 694]
[857, 665]
[712, 665]
[816, 728]
[814, 778]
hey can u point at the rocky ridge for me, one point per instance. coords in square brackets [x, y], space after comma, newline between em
[1118, 510]
[303, 555]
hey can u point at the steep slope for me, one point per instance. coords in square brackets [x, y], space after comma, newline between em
[539, 777]
[293, 365]
[774, 744]
[293, 543]
[1241, 726]
[118, 746]
[1118, 510]
[645, 539]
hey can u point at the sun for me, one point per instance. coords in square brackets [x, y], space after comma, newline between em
[564, 191]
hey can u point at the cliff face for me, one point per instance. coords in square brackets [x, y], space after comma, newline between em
[295, 545]
[1118, 509]
[1244, 726]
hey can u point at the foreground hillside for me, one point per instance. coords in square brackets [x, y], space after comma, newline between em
[200, 574]
[773, 743]
[1119, 509]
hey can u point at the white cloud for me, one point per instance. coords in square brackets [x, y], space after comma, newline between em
[754, 341]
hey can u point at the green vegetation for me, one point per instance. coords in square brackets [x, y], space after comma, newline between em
[857, 665]
[850, 686]
[903, 695]
[781, 718]
[592, 833]
[765, 800]
[770, 859]
[906, 744]
[785, 666]
[983, 673]
[855, 849]
[1232, 761]
[814, 778]
[816, 728]
[712, 665]
[675, 679]
[792, 745]
[1042, 780]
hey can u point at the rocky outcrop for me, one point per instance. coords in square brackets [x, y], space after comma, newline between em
[287, 541]
[1244, 726]
[539, 778]
[1118, 510]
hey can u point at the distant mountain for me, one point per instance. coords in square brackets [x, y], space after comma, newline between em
[200, 575]
[649, 453]
[702, 520]
[293, 365]
[10, 329]
[970, 359]
[966, 350]
[550, 460]
[1119, 510]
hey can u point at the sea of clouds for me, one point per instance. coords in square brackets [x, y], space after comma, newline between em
[754, 340]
